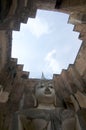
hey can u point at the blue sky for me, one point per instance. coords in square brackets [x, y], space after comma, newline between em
[46, 44]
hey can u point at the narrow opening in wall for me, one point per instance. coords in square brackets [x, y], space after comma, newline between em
[46, 44]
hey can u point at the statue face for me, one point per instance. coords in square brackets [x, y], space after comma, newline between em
[45, 92]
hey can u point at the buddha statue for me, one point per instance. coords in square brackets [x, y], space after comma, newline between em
[45, 115]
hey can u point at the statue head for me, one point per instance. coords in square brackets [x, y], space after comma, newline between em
[45, 92]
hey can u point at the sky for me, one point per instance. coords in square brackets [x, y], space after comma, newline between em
[47, 43]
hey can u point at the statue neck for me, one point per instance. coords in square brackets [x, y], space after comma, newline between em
[46, 106]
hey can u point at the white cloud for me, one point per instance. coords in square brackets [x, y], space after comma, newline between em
[51, 62]
[38, 27]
